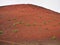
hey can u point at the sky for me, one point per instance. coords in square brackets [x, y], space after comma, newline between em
[49, 4]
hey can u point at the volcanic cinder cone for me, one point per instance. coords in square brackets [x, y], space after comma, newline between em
[27, 24]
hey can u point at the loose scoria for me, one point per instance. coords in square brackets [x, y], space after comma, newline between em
[27, 24]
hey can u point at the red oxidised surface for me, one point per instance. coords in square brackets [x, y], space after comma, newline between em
[37, 23]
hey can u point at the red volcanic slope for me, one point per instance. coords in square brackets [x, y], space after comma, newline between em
[28, 22]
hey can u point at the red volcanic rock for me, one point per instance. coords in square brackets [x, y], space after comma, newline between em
[27, 22]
